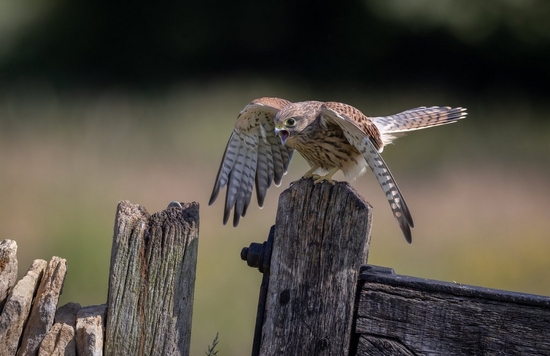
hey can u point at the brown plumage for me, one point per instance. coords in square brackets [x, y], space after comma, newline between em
[330, 136]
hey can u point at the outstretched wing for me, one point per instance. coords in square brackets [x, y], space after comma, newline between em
[394, 126]
[364, 135]
[253, 155]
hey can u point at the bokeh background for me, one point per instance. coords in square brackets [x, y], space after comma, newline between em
[103, 101]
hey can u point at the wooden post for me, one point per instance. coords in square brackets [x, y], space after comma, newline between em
[152, 279]
[321, 239]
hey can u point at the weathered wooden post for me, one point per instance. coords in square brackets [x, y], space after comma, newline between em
[320, 241]
[152, 278]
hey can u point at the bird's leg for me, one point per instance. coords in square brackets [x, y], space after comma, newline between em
[328, 177]
[309, 173]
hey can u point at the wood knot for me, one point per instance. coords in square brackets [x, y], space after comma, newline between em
[323, 344]
[284, 297]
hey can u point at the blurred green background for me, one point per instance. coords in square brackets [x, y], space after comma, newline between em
[103, 101]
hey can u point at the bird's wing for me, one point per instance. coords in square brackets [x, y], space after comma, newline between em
[253, 155]
[363, 134]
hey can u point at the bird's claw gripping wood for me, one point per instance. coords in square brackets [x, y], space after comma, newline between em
[309, 173]
[326, 178]
[320, 179]
[330, 136]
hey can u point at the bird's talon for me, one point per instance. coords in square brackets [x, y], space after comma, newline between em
[320, 179]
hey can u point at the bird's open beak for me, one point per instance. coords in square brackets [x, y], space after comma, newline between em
[283, 134]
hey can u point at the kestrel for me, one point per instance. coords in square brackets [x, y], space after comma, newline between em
[330, 136]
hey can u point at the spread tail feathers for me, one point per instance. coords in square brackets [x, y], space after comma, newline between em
[394, 126]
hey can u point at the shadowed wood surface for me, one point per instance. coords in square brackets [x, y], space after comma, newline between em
[90, 330]
[152, 278]
[400, 315]
[322, 234]
[60, 339]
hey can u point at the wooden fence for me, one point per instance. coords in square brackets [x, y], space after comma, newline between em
[317, 297]
[150, 300]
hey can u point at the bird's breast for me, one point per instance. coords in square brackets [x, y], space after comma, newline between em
[325, 148]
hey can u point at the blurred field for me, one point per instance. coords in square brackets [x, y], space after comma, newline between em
[478, 190]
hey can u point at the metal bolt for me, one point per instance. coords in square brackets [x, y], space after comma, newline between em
[259, 255]
[253, 254]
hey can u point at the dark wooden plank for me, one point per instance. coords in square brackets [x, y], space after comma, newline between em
[380, 346]
[151, 282]
[427, 317]
[321, 238]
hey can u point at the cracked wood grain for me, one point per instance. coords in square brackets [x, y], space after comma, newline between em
[322, 234]
[153, 262]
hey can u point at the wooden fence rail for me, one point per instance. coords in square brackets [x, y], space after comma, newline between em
[400, 315]
[318, 296]
[309, 282]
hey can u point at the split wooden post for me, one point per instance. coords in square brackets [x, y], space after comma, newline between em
[152, 279]
[321, 239]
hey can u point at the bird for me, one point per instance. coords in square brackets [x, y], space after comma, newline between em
[331, 136]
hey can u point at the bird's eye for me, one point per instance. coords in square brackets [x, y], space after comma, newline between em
[290, 122]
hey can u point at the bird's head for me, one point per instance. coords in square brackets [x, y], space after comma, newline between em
[293, 119]
[287, 127]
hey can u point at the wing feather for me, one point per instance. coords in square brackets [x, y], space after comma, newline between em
[248, 181]
[234, 184]
[226, 166]
[357, 137]
[264, 172]
[253, 156]
[278, 163]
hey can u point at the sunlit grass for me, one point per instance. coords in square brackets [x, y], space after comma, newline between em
[477, 190]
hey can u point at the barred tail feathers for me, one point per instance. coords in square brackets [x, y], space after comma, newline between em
[394, 126]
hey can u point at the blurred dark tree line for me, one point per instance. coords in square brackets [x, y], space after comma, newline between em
[467, 45]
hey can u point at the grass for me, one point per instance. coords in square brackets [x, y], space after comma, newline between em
[477, 190]
[211, 350]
